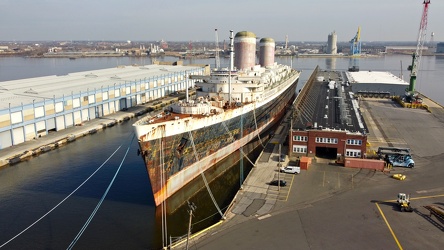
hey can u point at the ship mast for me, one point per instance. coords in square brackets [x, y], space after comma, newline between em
[231, 66]
[187, 79]
[217, 51]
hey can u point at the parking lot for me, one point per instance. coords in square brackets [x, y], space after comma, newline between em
[332, 207]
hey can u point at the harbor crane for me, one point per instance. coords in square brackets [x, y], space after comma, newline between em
[416, 57]
[355, 47]
[355, 51]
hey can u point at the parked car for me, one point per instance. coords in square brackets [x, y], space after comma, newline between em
[282, 158]
[290, 170]
[281, 183]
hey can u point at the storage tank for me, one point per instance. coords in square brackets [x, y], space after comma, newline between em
[245, 50]
[266, 52]
[332, 43]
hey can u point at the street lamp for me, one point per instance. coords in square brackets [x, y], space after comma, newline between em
[279, 168]
[192, 207]
[35, 125]
[10, 122]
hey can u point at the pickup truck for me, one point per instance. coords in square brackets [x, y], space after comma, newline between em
[290, 169]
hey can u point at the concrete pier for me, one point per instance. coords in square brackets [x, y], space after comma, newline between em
[33, 148]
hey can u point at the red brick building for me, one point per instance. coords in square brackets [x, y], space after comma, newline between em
[327, 143]
[327, 121]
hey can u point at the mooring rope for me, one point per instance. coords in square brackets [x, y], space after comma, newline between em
[52, 209]
[101, 200]
[162, 181]
[255, 123]
[240, 149]
[204, 178]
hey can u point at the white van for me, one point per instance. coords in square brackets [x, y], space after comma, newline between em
[290, 170]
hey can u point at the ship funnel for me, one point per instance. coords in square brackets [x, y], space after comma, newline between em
[266, 52]
[245, 47]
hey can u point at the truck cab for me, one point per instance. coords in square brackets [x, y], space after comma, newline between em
[397, 157]
[402, 161]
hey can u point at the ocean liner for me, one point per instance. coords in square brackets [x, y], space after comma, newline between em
[232, 106]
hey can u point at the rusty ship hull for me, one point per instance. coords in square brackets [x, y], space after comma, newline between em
[175, 160]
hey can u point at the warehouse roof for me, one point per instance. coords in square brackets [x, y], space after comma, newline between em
[330, 105]
[25, 91]
[375, 77]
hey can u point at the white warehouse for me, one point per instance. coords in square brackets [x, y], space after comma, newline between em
[30, 108]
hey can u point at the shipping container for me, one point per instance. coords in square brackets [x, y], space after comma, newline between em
[305, 162]
[364, 163]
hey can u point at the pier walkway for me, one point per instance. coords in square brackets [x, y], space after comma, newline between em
[29, 149]
[256, 196]
[53, 140]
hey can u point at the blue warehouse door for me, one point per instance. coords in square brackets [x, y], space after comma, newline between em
[122, 104]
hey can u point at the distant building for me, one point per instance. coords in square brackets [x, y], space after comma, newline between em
[440, 48]
[332, 47]
[163, 44]
[402, 49]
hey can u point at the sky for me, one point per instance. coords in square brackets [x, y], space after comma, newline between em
[195, 20]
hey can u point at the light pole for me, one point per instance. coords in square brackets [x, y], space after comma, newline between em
[279, 168]
[114, 98]
[192, 207]
[10, 122]
[33, 111]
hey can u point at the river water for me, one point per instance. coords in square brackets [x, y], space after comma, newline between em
[127, 217]
[429, 80]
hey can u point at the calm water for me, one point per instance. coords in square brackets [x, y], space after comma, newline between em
[429, 78]
[127, 217]
[30, 189]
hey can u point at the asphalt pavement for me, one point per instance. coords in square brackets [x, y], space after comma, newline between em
[332, 207]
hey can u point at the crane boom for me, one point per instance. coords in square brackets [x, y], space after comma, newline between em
[416, 58]
[355, 48]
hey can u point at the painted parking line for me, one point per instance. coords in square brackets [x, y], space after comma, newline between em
[421, 197]
[386, 221]
[289, 190]
[283, 193]
[389, 227]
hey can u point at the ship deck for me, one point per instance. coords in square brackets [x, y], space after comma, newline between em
[157, 117]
